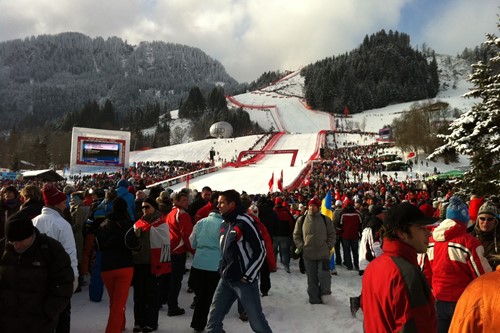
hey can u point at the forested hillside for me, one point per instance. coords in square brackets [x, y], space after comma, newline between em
[384, 70]
[45, 77]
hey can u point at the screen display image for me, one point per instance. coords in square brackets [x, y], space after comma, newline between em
[96, 150]
[100, 152]
[92, 151]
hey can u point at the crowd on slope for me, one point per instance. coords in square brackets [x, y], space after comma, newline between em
[387, 218]
[127, 211]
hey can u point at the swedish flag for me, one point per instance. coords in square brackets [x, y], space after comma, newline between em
[326, 205]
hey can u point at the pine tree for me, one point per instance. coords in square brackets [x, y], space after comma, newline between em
[477, 132]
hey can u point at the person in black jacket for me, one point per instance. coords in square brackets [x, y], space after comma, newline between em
[33, 200]
[36, 278]
[243, 254]
[117, 264]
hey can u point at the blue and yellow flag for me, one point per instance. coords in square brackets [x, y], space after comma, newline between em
[326, 205]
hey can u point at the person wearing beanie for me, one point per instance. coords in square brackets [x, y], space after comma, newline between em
[150, 238]
[455, 259]
[24, 291]
[487, 231]
[52, 223]
[314, 236]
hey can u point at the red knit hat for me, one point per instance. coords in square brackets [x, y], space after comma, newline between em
[474, 205]
[51, 195]
[315, 201]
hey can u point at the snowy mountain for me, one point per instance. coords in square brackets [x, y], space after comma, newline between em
[280, 107]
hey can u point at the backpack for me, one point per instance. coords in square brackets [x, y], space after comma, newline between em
[293, 247]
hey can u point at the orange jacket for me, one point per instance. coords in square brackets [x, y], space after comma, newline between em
[478, 307]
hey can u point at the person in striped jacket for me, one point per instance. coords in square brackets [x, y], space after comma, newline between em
[243, 253]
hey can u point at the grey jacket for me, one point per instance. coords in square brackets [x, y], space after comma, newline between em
[315, 236]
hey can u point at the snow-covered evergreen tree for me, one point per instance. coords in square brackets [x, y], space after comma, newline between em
[476, 133]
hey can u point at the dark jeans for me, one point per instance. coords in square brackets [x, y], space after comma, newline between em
[146, 298]
[248, 294]
[348, 246]
[444, 311]
[338, 256]
[318, 279]
[173, 286]
[204, 285]
[265, 280]
[64, 322]
[282, 245]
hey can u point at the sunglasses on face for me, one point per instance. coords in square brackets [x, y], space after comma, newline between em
[146, 207]
[487, 219]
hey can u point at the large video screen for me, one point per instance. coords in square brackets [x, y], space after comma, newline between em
[99, 151]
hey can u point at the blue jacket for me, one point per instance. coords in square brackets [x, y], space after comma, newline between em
[205, 239]
[122, 192]
[243, 250]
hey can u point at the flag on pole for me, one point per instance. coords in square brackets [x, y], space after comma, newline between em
[280, 182]
[326, 205]
[271, 183]
[346, 111]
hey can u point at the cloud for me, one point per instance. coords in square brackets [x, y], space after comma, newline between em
[464, 24]
[247, 37]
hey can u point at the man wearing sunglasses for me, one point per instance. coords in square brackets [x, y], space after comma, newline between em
[487, 231]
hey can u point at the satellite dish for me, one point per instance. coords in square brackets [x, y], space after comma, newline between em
[222, 129]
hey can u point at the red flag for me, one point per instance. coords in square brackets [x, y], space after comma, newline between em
[411, 155]
[280, 182]
[346, 111]
[271, 183]
[187, 180]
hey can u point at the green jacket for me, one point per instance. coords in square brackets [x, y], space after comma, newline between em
[315, 235]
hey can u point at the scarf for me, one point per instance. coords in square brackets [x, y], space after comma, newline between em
[159, 239]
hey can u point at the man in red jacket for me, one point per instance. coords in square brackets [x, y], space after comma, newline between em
[395, 296]
[180, 225]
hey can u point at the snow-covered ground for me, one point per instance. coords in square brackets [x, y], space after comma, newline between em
[286, 308]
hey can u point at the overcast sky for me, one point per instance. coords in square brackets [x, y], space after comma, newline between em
[250, 37]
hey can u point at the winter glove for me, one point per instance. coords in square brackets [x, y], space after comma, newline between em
[141, 226]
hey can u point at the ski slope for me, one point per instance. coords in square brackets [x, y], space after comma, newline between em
[280, 107]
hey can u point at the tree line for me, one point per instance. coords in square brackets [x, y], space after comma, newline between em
[383, 70]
